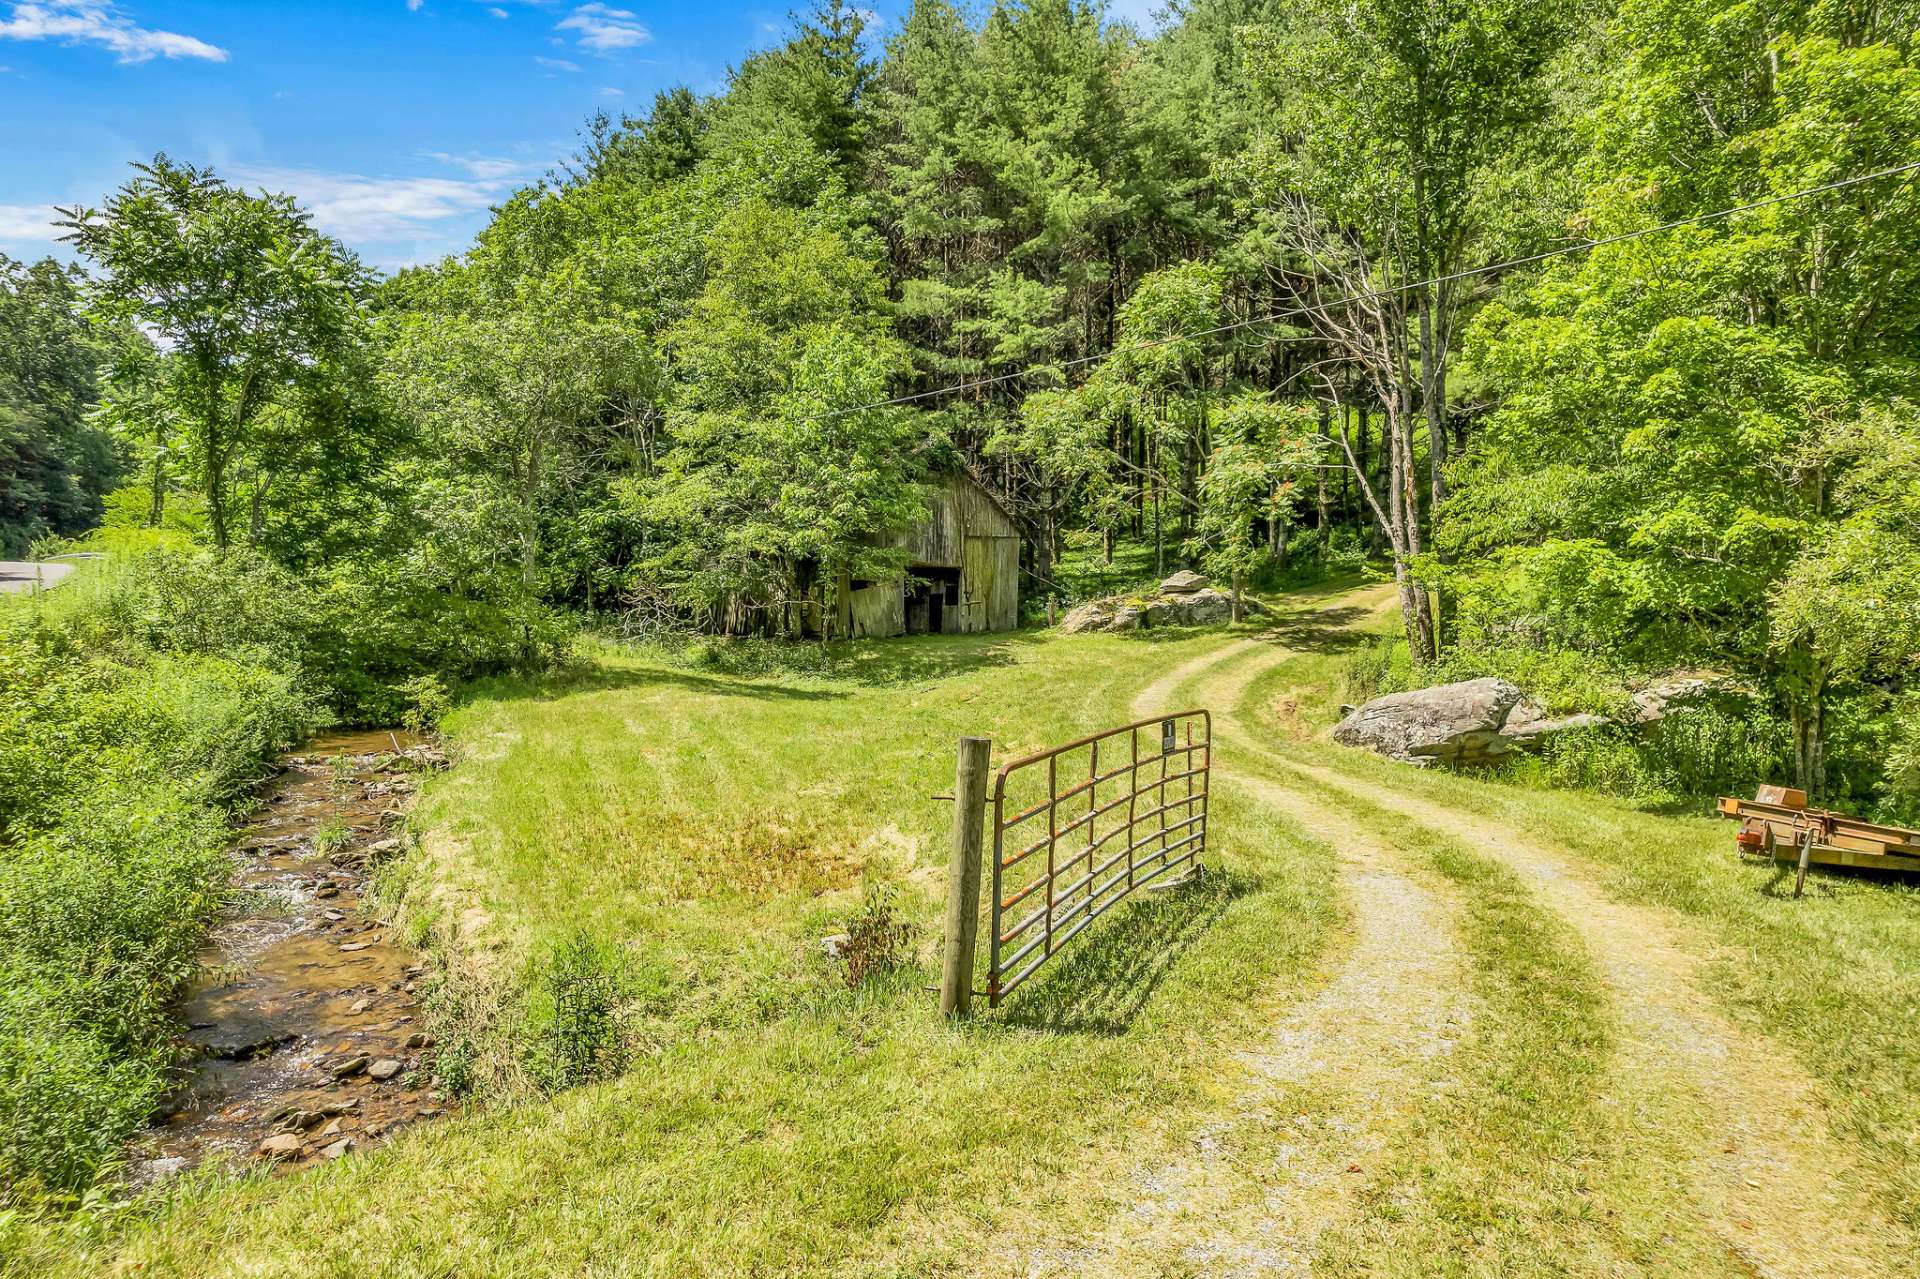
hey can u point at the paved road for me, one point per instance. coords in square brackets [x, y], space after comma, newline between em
[19, 576]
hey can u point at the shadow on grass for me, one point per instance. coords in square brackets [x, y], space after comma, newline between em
[1106, 976]
[908, 659]
[1835, 882]
[599, 678]
[1328, 630]
[765, 669]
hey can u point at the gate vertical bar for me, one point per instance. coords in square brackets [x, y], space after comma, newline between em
[1206, 787]
[1053, 834]
[1093, 811]
[999, 865]
[1133, 800]
[1160, 795]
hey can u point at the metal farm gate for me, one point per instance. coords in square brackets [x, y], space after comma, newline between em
[1078, 828]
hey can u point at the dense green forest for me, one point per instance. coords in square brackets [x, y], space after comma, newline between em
[1282, 291]
[1232, 292]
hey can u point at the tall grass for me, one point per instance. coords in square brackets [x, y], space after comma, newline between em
[114, 760]
[137, 702]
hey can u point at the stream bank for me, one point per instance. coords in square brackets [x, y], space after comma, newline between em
[305, 1038]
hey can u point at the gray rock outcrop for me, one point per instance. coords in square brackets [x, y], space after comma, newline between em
[1658, 700]
[1201, 606]
[1472, 722]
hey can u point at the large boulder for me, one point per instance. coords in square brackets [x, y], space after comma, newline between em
[1185, 582]
[1472, 722]
[1200, 607]
[1660, 699]
[1094, 615]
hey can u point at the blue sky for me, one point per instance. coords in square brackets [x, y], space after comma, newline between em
[397, 122]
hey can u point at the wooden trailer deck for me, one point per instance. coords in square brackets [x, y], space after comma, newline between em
[1777, 824]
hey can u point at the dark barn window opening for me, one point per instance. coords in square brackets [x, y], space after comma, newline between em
[931, 590]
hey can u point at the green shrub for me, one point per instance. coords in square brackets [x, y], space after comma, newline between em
[1607, 760]
[578, 1032]
[877, 939]
[1693, 753]
[1375, 668]
[427, 703]
[67, 1104]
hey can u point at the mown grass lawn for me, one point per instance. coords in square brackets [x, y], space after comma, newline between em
[713, 827]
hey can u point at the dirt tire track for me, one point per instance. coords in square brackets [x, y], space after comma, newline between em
[1377, 1038]
[1781, 1192]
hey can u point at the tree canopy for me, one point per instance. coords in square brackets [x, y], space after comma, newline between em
[1235, 293]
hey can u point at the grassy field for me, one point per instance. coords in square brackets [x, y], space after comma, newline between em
[714, 827]
[706, 824]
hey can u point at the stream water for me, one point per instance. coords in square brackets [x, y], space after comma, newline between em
[305, 1033]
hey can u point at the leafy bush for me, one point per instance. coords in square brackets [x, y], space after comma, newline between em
[352, 638]
[1375, 668]
[1693, 752]
[877, 939]
[113, 758]
[67, 1104]
[578, 1035]
[427, 703]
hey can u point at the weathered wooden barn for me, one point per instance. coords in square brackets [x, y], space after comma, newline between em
[963, 572]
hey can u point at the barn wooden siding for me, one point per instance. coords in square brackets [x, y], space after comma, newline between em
[967, 532]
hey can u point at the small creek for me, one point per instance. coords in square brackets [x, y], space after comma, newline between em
[306, 1035]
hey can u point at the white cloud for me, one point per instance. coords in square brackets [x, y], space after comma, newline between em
[611, 92]
[556, 64]
[487, 168]
[501, 14]
[413, 6]
[605, 29]
[357, 209]
[28, 224]
[101, 22]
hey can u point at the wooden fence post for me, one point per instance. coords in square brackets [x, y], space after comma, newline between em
[963, 876]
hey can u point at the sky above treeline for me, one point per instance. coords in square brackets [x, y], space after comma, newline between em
[398, 123]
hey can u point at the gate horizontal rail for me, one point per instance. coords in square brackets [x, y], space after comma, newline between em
[1152, 822]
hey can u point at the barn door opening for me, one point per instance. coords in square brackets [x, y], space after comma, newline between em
[933, 598]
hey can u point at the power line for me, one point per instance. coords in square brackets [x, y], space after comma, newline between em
[1282, 316]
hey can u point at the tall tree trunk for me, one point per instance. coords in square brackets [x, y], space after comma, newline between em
[1808, 708]
[530, 516]
[1433, 400]
[1398, 517]
[1322, 505]
[216, 489]
[157, 505]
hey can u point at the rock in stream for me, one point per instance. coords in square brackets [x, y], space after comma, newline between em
[304, 1035]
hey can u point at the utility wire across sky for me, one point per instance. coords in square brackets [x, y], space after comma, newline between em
[1295, 313]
